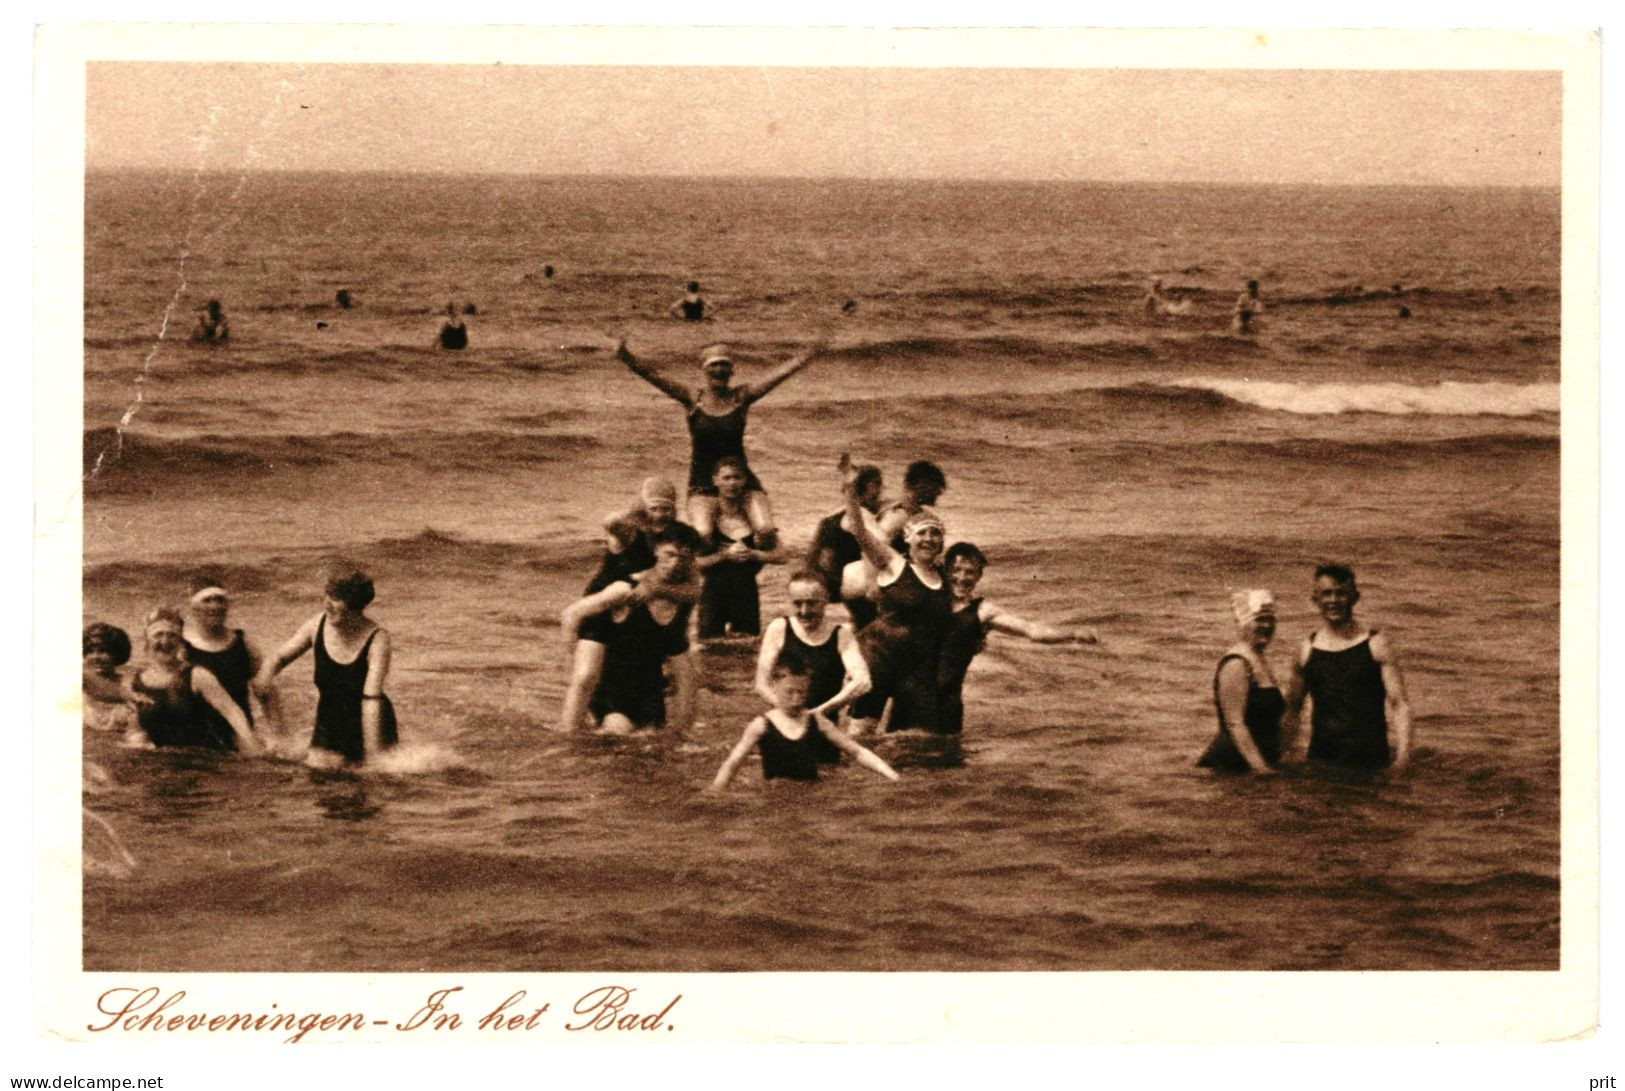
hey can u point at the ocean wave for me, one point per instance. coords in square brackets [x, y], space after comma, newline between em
[1452, 399]
[113, 456]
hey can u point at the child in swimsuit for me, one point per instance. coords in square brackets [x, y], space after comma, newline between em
[787, 734]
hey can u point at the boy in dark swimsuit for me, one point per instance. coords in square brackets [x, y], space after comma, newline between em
[787, 734]
[1360, 716]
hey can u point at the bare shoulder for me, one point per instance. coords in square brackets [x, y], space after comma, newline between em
[1382, 649]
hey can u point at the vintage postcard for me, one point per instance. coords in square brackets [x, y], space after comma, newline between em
[836, 535]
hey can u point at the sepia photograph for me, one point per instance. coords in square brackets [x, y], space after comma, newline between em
[954, 516]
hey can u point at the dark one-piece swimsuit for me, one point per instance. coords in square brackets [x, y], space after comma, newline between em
[338, 702]
[177, 715]
[902, 646]
[714, 438]
[232, 667]
[1262, 717]
[827, 677]
[790, 759]
[963, 639]
[633, 681]
[1349, 724]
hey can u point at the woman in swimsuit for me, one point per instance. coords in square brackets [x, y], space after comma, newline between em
[691, 308]
[904, 642]
[107, 706]
[228, 654]
[731, 556]
[716, 426]
[1248, 701]
[173, 698]
[620, 644]
[354, 720]
[970, 620]
[790, 738]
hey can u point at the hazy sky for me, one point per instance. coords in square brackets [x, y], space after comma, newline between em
[1450, 127]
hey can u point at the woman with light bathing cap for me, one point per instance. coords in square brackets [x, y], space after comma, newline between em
[1248, 701]
[174, 699]
[903, 644]
[716, 426]
[227, 653]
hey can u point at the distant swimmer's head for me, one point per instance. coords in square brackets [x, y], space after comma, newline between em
[694, 286]
[1335, 593]
[659, 498]
[924, 533]
[730, 477]
[105, 646]
[342, 297]
[925, 482]
[1252, 287]
[213, 307]
[964, 564]
[809, 598]
[347, 590]
[1254, 611]
[163, 627]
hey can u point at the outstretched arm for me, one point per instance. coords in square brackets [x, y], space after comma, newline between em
[860, 754]
[750, 392]
[753, 732]
[666, 386]
[1397, 703]
[1036, 631]
[297, 645]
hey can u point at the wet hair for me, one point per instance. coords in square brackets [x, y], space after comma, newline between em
[1252, 285]
[1342, 573]
[213, 306]
[966, 550]
[205, 577]
[693, 285]
[673, 535]
[730, 462]
[791, 663]
[925, 473]
[350, 585]
[867, 475]
[102, 637]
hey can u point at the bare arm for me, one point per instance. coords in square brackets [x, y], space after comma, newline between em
[616, 594]
[1036, 631]
[753, 732]
[750, 392]
[1294, 695]
[857, 674]
[208, 687]
[587, 664]
[876, 549]
[767, 655]
[1397, 703]
[297, 645]
[372, 694]
[860, 754]
[666, 386]
[684, 684]
[1233, 684]
[646, 589]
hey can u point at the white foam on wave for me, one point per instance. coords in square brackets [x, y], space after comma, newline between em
[1452, 399]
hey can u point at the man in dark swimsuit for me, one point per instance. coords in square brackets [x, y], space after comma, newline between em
[834, 546]
[1360, 716]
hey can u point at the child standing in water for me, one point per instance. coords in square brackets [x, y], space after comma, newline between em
[788, 735]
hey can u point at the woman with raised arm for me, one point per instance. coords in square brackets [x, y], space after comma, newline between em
[716, 426]
[354, 720]
[904, 642]
[970, 619]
